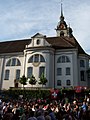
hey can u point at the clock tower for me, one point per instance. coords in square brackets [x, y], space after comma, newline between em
[62, 29]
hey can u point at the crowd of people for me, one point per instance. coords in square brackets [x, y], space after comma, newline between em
[41, 109]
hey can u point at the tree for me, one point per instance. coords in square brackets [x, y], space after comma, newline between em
[43, 80]
[32, 80]
[23, 80]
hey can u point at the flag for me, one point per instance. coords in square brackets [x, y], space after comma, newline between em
[54, 93]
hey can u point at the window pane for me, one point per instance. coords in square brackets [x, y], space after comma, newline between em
[7, 74]
[29, 71]
[42, 58]
[59, 82]
[8, 63]
[13, 61]
[30, 59]
[63, 59]
[36, 58]
[67, 71]
[18, 63]
[59, 71]
[59, 60]
[67, 59]
[17, 74]
[41, 70]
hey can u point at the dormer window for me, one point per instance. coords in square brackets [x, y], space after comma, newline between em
[38, 42]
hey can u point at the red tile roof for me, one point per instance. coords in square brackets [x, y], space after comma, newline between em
[13, 46]
[56, 42]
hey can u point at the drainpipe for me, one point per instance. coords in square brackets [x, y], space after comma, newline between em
[54, 69]
[25, 63]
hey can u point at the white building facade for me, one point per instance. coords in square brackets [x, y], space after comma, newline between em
[61, 59]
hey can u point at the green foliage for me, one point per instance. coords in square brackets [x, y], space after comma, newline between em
[42, 80]
[28, 94]
[32, 80]
[23, 80]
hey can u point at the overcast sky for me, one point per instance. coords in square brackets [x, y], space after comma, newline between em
[21, 19]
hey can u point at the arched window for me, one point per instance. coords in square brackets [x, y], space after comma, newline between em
[42, 58]
[36, 58]
[63, 59]
[8, 63]
[13, 62]
[68, 82]
[30, 59]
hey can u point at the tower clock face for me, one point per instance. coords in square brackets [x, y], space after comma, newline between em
[62, 26]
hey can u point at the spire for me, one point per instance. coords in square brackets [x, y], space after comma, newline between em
[62, 26]
[61, 10]
[61, 17]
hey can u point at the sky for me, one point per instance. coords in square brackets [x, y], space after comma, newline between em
[22, 19]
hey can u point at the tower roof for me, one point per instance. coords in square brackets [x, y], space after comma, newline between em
[61, 24]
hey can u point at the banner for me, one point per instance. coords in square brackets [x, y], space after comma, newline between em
[79, 89]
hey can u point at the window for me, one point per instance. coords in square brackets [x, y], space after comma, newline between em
[36, 58]
[13, 62]
[30, 59]
[58, 82]
[63, 59]
[68, 82]
[41, 70]
[42, 58]
[82, 63]
[7, 74]
[61, 33]
[17, 74]
[67, 71]
[82, 74]
[18, 63]
[29, 71]
[8, 63]
[38, 42]
[59, 71]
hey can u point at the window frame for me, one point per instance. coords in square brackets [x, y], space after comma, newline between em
[17, 76]
[68, 71]
[59, 83]
[13, 62]
[29, 72]
[33, 58]
[59, 71]
[41, 71]
[63, 59]
[68, 82]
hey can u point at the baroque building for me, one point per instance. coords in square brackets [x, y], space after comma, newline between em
[61, 58]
